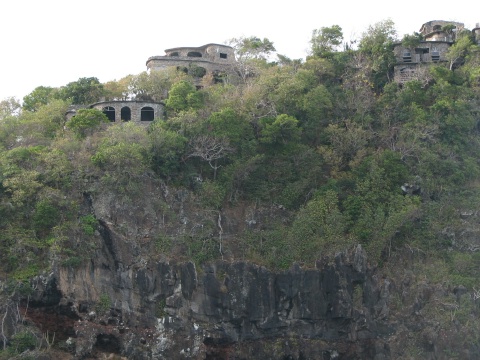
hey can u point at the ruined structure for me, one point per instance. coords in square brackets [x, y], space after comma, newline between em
[141, 112]
[198, 61]
[438, 36]
[476, 33]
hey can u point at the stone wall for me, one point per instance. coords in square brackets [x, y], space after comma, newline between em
[211, 57]
[140, 111]
[412, 60]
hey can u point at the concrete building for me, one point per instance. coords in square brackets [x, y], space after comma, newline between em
[438, 36]
[212, 59]
[141, 112]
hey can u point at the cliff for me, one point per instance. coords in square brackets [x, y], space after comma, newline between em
[219, 311]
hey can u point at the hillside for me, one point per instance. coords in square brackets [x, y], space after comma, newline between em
[287, 210]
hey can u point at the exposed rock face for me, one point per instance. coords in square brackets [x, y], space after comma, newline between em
[221, 311]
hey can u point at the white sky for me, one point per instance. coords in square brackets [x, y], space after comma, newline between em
[54, 42]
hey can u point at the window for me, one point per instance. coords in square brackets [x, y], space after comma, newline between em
[223, 56]
[407, 56]
[109, 112]
[174, 53]
[147, 114]
[435, 56]
[194, 54]
[126, 114]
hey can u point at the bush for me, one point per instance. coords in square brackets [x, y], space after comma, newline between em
[22, 341]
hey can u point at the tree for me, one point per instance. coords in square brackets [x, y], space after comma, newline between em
[154, 85]
[118, 90]
[86, 121]
[326, 40]
[9, 107]
[252, 47]
[376, 45]
[283, 130]
[251, 53]
[460, 49]
[41, 95]
[83, 91]
[183, 96]
[210, 149]
[412, 41]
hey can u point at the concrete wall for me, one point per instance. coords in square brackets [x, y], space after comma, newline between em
[135, 109]
[422, 52]
[213, 58]
[420, 56]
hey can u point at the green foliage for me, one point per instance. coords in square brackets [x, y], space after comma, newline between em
[84, 91]
[9, 107]
[202, 250]
[167, 150]
[163, 243]
[318, 228]
[104, 304]
[411, 41]
[122, 156]
[22, 341]
[183, 96]
[89, 224]
[45, 217]
[319, 149]
[211, 195]
[282, 130]
[160, 308]
[72, 262]
[252, 47]
[86, 121]
[41, 95]
[325, 40]
[377, 45]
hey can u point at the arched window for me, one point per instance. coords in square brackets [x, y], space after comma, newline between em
[126, 114]
[147, 114]
[110, 112]
[194, 54]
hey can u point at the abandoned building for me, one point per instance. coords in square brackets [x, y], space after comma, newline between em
[141, 112]
[438, 36]
[212, 59]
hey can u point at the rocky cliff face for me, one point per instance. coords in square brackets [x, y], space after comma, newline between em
[224, 310]
[128, 302]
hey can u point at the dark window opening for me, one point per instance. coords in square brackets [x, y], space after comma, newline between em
[435, 56]
[422, 50]
[219, 77]
[175, 53]
[437, 28]
[126, 114]
[194, 54]
[109, 112]
[182, 68]
[147, 114]
[197, 71]
[223, 56]
[407, 56]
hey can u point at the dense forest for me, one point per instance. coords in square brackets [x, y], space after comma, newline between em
[336, 151]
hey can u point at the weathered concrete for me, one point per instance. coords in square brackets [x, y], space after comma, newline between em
[141, 112]
[212, 57]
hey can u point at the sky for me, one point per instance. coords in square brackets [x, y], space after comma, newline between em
[54, 42]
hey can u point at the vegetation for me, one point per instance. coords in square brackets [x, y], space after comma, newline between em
[336, 151]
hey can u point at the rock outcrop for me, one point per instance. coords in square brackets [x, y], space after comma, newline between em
[223, 310]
